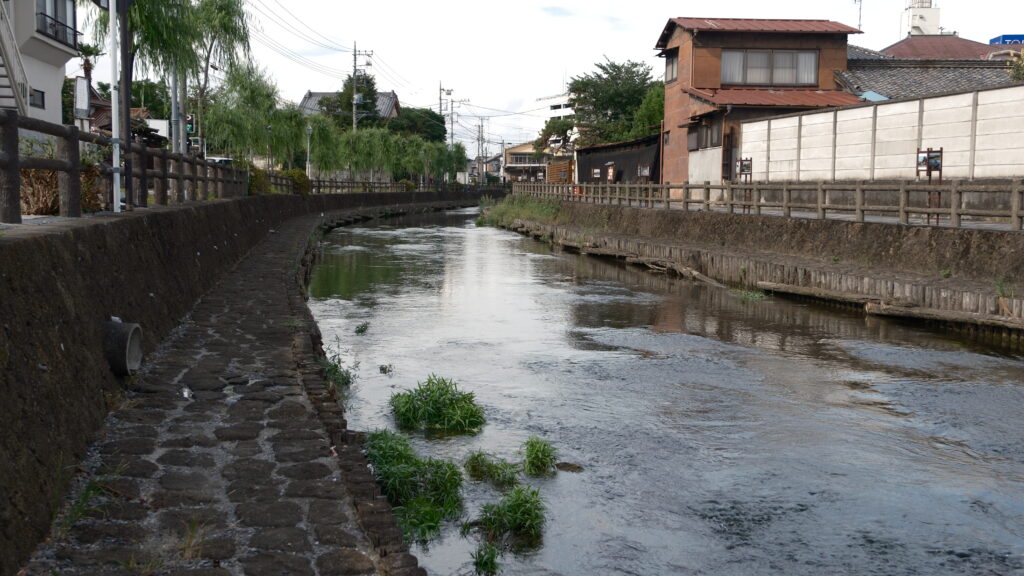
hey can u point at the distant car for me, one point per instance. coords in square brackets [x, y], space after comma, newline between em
[219, 160]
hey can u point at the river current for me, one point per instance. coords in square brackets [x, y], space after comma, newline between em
[719, 432]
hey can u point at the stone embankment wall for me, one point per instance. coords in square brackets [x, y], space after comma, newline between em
[971, 278]
[60, 282]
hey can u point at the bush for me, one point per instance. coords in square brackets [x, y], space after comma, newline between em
[301, 184]
[437, 404]
[258, 181]
[40, 192]
[407, 184]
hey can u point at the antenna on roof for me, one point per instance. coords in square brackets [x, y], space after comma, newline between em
[860, 13]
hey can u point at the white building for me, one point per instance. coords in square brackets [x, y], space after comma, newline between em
[37, 38]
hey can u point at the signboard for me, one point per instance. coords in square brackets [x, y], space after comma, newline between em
[929, 161]
[81, 98]
[1017, 39]
[745, 166]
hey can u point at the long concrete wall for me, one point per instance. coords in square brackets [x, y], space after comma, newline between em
[980, 133]
[58, 283]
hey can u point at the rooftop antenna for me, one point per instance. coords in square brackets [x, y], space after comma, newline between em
[860, 13]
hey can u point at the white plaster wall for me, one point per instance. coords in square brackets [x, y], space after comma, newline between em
[816, 138]
[45, 77]
[999, 145]
[706, 165]
[947, 125]
[782, 163]
[896, 140]
[754, 145]
[853, 143]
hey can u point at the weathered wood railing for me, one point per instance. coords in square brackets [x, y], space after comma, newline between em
[901, 201]
[185, 178]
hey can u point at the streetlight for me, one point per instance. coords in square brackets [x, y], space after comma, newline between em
[309, 163]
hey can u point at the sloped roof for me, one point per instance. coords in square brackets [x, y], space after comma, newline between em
[860, 53]
[775, 98]
[917, 78]
[938, 47]
[387, 103]
[760, 26]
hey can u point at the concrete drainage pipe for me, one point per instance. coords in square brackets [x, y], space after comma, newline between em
[122, 345]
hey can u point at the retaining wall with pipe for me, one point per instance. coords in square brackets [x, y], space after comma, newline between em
[60, 282]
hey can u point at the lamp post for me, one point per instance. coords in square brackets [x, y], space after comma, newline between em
[309, 160]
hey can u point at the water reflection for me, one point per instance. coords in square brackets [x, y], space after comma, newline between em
[718, 435]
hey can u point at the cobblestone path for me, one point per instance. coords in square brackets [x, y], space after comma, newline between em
[226, 456]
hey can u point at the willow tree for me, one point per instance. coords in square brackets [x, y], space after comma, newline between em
[241, 111]
[223, 41]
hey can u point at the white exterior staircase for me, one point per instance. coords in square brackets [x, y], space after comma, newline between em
[13, 80]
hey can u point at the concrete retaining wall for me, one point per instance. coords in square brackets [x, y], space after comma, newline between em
[59, 282]
[976, 274]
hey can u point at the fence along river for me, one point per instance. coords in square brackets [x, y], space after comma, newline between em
[719, 432]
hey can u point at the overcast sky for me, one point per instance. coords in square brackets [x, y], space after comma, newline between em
[503, 56]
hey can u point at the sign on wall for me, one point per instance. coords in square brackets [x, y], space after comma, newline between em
[1016, 39]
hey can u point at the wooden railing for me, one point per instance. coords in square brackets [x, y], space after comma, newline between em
[903, 202]
[183, 178]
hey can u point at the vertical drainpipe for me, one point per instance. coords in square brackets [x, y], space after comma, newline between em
[974, 136]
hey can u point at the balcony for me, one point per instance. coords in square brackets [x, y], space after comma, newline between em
[57, 30]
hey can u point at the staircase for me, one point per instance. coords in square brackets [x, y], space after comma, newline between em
[13, 80]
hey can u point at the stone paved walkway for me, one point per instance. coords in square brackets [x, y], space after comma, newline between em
[227, 456]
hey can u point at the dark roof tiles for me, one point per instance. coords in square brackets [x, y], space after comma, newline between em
[940, 47]
[765, 25]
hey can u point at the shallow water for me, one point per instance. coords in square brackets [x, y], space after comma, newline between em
[718, 434]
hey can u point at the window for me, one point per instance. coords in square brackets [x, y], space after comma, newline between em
[56, 19]
[665, 139]
[708, 134]
[36, 98]
[522, 159]
[671, 66]
[770, 67]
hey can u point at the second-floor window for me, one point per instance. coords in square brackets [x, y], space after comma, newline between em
[522, 159]
[671, 67]
[56, 19]
[770, 67]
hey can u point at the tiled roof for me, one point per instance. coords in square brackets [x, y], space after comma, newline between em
[861, 53]
[938, 47]
[775, 98]
[916, 78]
[760, 26]
[387, 103]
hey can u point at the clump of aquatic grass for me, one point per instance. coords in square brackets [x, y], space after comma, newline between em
[750, 295]
[362, 328]
[423, 492]
[540, 457]
[519, 207]
[386, 369]
[437, 404]
[482, 467]
[336, 374]
[518, 515]
[485, 559]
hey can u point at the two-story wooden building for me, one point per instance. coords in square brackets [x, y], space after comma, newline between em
[722, 71]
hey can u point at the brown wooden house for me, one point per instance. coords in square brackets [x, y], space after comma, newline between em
[722, 71]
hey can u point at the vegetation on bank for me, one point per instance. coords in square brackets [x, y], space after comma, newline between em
[438, 405]
[517, 207]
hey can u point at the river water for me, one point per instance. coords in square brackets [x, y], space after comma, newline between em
[719, 434]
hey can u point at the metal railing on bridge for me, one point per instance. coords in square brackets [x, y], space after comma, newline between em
[952, 203]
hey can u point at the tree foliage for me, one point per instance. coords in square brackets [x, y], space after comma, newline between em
[339, 106]
[1017, 67]
[649, 115]
[553, 128]
[606, 101]
[422, 122]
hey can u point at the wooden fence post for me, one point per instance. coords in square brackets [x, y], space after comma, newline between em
[1016, 218]
[161, 186]
[955, 198]
[822, 200]
[707, 195]
[787, 197]
[69, 182]
[904, 201]
[195, 178]
[858, 201]
[10, 177]
[142, 158]
[730, 196]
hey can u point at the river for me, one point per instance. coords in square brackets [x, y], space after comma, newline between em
[719, 432]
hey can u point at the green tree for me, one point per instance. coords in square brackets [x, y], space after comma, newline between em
[240, 113]
[553, 128]
[605, 102]
[1017, 67]
[67, 101]
[647, 118]
[89, 53]
[421, 122]
[223, 39]
[153, 96]
[339, 106]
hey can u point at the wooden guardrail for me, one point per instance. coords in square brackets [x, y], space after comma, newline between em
[905, 202]
[182, 177]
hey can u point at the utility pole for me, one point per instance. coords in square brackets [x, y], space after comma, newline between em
[355, 76]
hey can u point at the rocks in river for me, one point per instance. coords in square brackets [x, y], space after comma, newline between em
[569, 467]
